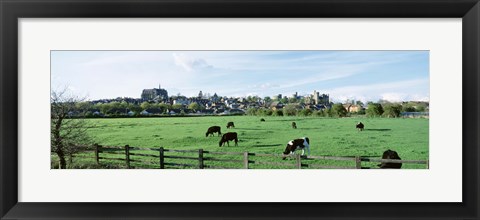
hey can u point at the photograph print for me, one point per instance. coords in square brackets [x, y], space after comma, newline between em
[239, 109]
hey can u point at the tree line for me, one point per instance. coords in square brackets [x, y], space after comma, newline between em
[389, 110]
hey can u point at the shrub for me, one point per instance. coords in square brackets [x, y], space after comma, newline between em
[277, 113]
[374, 110]
[290, 110]
[305, 112]
[392, 111]
[338, 110]
[251, 111]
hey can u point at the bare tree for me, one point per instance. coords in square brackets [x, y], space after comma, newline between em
[68, 133]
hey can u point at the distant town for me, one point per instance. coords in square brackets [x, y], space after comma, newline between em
[157, 102]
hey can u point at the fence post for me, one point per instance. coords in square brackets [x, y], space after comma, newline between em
[127, 155]
[162, 160]
[97, 152]
[299, 161]
[428, 164]
[200, 158]
[245, 159]
[358, 162]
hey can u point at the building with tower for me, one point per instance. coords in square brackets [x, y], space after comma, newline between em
[156, 95]
[317, 99]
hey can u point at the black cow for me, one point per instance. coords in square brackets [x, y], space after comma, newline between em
[294, 125]
[228, 137]
[262, 119]
[390, 154]
[230, 124]
[297, 144]
[360, 126]
[212, 130]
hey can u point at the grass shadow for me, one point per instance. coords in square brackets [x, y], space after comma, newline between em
[267, 145]
[255, 129]
[379, 129]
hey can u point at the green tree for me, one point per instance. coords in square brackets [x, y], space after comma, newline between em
[135, 108]
[124, 104]
[292, 100]
[83, 106]
[194, 106]
[338, 110]
[164, 107]
[115, 105]
[104, 107]
[305, 112]
[290, 110]
[268, 112]
[145, 105]
[319, 113]
[392, 110]
[177, 106]
[278, 112]
[251, 111]
[421, 108]
[253, 98]
[267, 99]
[374, 110]
[407, 108]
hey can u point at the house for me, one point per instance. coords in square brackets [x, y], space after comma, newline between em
[276, 105]
[352, 107]
[174, 111]
[97, 113]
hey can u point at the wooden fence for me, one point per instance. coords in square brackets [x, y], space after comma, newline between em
[166, 159]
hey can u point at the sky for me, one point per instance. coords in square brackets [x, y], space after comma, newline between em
[344, 75]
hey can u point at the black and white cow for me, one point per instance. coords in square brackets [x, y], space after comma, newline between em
[360, 126]
[230, 124]
[297, 144]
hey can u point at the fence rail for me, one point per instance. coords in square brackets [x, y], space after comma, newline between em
[102, 153]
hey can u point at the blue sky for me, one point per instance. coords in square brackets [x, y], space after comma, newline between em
[354, 75]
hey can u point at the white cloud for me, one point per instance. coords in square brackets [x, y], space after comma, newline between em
[394, 97]
[386, 91]
[190, 63]
[265, 86]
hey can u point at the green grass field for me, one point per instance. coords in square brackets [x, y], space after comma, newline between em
[328, 136]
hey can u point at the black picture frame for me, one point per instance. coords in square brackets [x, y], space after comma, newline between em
[12, 10]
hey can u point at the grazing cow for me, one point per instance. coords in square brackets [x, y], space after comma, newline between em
[360, 126]
[228, 137]
[297, 144]
[212, 130]
[294, 125]
[390, 154]
[262, 119]
[230, 124]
